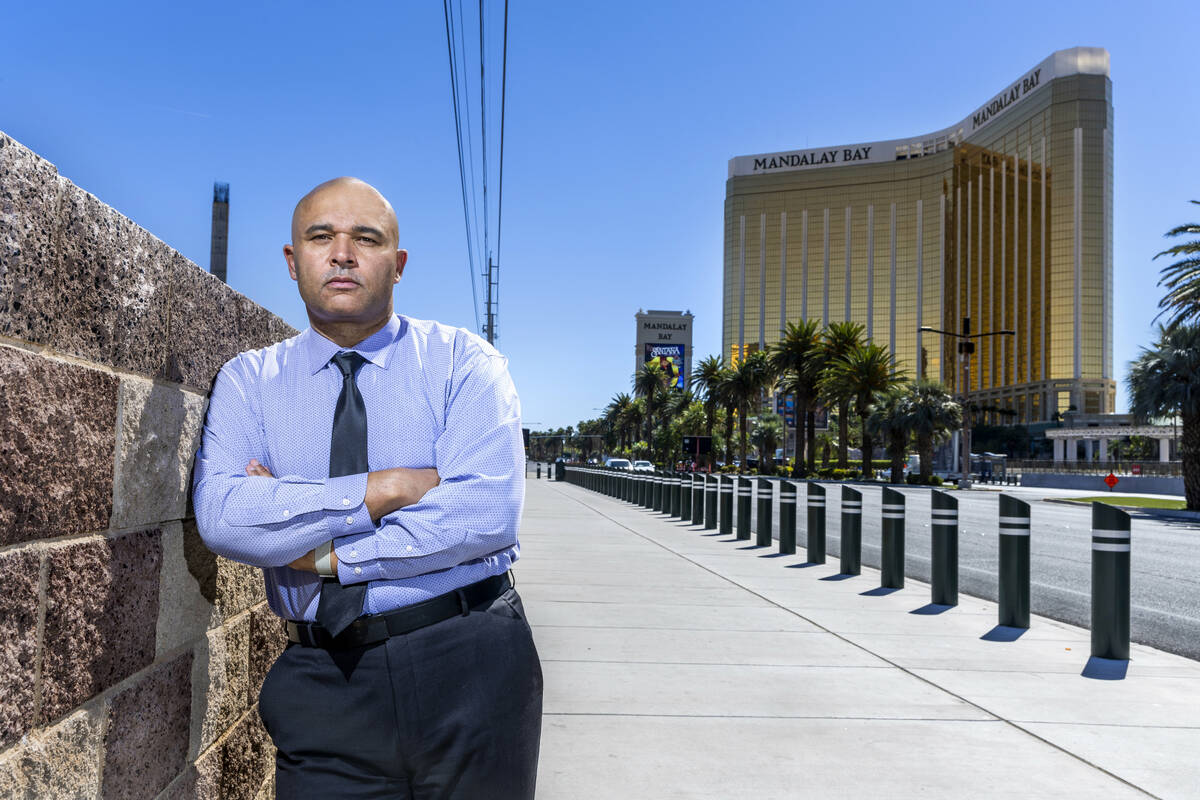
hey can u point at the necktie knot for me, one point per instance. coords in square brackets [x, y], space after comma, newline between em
[348, 362]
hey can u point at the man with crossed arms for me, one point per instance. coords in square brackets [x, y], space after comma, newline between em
[410, 670]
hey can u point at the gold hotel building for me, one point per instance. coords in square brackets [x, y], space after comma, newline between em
[1003, 219]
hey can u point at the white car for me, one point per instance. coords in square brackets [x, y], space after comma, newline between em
[618, 463]
[643, 466]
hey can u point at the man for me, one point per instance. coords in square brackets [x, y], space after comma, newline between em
[373, 467]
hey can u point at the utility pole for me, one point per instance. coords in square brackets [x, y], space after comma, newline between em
[493, 300]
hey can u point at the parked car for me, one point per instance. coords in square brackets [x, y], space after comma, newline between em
[643, 466]
[618, 463]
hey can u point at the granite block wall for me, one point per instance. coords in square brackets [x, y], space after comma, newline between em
[131, 656]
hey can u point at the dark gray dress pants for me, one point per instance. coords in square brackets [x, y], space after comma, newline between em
[453, 710]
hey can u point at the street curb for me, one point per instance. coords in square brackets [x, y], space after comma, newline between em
[1158, 513]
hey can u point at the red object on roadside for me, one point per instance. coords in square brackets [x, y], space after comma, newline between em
[1136, 469]
[1110, 480]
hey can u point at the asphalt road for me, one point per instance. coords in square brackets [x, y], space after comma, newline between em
[1165, 564]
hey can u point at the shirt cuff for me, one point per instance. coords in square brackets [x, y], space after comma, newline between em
[347, 494]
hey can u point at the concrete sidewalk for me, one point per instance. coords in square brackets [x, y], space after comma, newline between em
[682, 664]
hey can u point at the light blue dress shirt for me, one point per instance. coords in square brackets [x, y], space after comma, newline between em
[436, 396]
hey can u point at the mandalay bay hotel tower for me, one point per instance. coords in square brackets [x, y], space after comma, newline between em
[1000, 221]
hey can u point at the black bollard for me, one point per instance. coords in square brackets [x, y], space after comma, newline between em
[539, 471]
[685, 497]
[1014, 562]
[712, 486]
[816, 523]
[726, 505]
[643, 489]
[787, 518]
[851, 556]
[944, 545]
[656, 487]
[762, 492]
[1110, 582]
[744, 488]
[676, 483]
[698, 479]
[892, 555]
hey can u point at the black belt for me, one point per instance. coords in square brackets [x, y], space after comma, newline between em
[372, 628]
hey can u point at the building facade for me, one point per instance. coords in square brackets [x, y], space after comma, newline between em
[665, 337]
[1002, 221]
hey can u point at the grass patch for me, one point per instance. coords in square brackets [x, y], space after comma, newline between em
[1132, 501]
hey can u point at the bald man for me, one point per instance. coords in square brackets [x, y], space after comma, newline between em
[373, 467]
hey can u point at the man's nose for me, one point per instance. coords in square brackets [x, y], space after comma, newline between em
[343, 252]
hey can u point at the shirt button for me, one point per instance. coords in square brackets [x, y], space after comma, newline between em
[354, 552]
[409, 548]
[286, 513]
[358, 570]
[345, 501]
[349, 520]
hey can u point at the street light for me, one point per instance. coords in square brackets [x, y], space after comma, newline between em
[965, 349]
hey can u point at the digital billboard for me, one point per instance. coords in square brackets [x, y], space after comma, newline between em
[669, 358]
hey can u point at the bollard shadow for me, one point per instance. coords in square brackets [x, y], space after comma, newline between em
[773, 555]
[1105, 669]
[753, 547]
[717, 533]
[731, 539]
[1003, 633]
[878, 591]
[805, 565]
[931, 609]
[841, 576]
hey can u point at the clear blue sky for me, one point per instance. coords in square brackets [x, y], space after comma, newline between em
[621, 118]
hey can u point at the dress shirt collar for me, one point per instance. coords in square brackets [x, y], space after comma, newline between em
[376, 348]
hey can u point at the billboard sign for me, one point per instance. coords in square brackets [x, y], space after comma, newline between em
[669, 358]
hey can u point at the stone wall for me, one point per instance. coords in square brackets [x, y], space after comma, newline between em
[131, 656]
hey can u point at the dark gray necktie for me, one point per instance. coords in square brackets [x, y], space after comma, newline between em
[340, 605]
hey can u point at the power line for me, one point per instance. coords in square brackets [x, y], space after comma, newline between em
[462, 172]
[503, 97]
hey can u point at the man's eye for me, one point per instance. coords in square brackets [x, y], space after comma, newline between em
[366, 240]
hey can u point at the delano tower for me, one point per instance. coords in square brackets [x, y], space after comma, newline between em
[1003, 219]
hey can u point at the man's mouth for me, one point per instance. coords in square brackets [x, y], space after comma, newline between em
[341, 283]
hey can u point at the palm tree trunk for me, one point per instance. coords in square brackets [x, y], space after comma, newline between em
[709, 414]
[1189, 453]
[810, 439]
[843, 433]
[742, 435]
[728, 435]
[867, 446]
[925, 451]
[897, 453]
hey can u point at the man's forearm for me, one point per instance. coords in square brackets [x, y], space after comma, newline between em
[389, 490]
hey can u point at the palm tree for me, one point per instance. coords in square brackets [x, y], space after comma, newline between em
[858, 375]
[727, 399]
[650, 383]
[617, 416]
[750, 377]
[635, 415]
[797, 360]
[838, 341]
[706, 378]
[890, 422]
[932, 414]
[768, 429]
[1182, 278]
[1165, 380]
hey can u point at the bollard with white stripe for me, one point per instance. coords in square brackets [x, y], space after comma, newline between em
[644, 490]
[685, 495]
[1014, 562]
[676, 491]
[816, 522]
[944, 541]
[787, 518]
[1110, 582]
[698, 498]
[892, 554]
[657, 501]
[851, 556]
[712, 490]
[744, 489]
[762, 493]
[726, 504]
[668, 501]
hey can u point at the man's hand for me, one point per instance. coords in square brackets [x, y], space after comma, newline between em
[387, 490]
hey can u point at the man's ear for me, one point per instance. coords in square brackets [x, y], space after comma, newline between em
[289, 255]
[401, 260]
